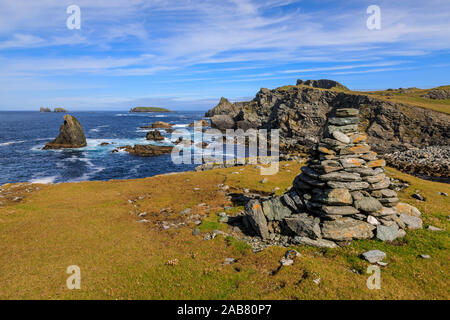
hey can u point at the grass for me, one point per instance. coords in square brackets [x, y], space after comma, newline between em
[149, 109]
[93, 225]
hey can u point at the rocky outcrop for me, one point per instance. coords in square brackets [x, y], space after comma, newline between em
[45, 110]
[161, 124]
[222, 122]
[323, 84]
[342, 194]
[59, 110]
[300, 112]
[145, 150]
[224, 107]
[437, 94]
[71, 135]
[155, 135]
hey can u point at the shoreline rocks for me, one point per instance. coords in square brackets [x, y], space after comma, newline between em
[71, 135]
[145, 150]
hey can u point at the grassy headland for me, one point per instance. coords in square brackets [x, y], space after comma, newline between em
[149, 109]
[94, 225]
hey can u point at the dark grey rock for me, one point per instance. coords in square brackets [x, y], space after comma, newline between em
[257, 219]
[304, 225]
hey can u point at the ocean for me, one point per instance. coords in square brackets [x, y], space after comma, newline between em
[24, 134]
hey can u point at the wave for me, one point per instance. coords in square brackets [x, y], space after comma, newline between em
[44, 180]
[3, 144]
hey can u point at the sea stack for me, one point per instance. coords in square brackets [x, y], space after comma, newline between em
[71, 135]
[341, 194]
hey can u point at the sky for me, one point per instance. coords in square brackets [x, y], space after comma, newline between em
[186, 54]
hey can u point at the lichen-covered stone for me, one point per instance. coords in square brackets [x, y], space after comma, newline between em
[255, 216]
[347, 229]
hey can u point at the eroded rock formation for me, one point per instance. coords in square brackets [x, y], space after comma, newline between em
[71, 135]
[300, 112]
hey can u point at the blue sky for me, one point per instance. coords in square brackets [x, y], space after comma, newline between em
[186, 54]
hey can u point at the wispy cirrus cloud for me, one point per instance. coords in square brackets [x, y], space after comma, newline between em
[231, 41]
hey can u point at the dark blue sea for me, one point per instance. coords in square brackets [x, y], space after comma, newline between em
[24, 134]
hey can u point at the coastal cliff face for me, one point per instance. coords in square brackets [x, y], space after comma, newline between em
[300, 112]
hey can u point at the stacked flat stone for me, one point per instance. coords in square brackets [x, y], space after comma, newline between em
[341, 194]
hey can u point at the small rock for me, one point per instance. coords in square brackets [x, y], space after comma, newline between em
[425, 256]
[432, 228]
[290, 254]
[223, 220]
[195, 232]
[286, 262]
[264, 180]
[418, 196]
[142, 214]
[317, 281]
[222, 214]
[198, 222]
[185, 211]
[401, 233]
[381, 263]
[373, 256]
[339, 136]
[372, 220]
[143, 221]
[229, 261]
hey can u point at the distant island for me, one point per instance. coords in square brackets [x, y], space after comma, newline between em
[149, 109]
[54, 110]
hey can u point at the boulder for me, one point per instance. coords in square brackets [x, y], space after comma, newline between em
[222, 122]
[344, 229]
[71, 135]
[385, 233]
[374, 256]
[404, 208]
[275, 210]
[334, 197]
[410, 221]
[368, 204]
[304, 226]
[320, 243]
[256, 218]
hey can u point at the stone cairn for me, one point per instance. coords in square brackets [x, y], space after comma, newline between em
[342, 194]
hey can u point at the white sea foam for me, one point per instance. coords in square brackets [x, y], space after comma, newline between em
[44, 180]
[3, 144]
